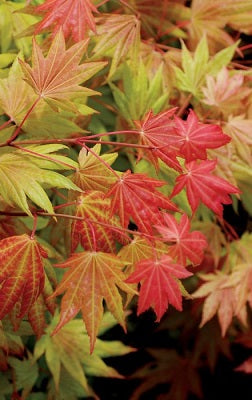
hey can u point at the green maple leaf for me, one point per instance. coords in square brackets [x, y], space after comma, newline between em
[16, 96]
[23, 174]
[12, 23]
[67, 354]
[192, 76]
[140, 93]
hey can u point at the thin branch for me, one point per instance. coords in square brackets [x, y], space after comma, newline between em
[101, 160]
[121, 144]
[34, 153]
[184, 105]
[74, 217]
[17, 131]
[6, 123]
[35, 221]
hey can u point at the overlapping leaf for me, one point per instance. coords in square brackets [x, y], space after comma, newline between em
[195, 67]
[119, 34]
[159, 284]
[21, 176]
[92, 277]
[157, 131]
[221, 299]
[194, 138]
[168, 367]
[94, 208]
[57, 77]
[136, 195]
[202, 185]
[185, 245]
[74, 17]
[67, 355]
[92, 174]
[21, 273]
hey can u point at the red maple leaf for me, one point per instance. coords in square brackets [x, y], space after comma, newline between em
[193, 137]
[159, 286]
[186, 244]
[136, 195]
[201, 185]
[21, 273]
[158, 131]
[73, 16]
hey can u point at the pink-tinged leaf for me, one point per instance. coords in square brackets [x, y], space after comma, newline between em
[135, 195]
[185, 244]
[202, 185]
[158, 132]
[57, 77]
[220, 300]
[193, 137]
[74, 17]
[21, 273]
[246, 366]
[159, 284]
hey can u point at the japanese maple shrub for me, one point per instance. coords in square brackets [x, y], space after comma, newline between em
[125, 130]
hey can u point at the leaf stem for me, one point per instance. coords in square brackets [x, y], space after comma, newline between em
[35, 221]
[34, 153]
[184, 105]
[17, 131]
[101, 160]
[121, 144]
[6, 123]
[59, 215]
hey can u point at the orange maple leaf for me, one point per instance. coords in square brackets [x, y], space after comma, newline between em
[73, 16]
[21, 273]
[56, 78]
[94, 208]
[92, 277]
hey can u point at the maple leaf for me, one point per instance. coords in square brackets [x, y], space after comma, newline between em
[169, 367]
[196, 67]
[74, 17]
[25, 372]
[94, 207]
[186, 244]
[21, 273]
[136, 195]
[56, 78]
[15, 95]
[159, 286]
[246, 366]
[194, 137]
[67, 355]
[92, 174]
[158, 132]
[223, 91]
[119, 34]
[36, 313]
[201, 185]
[142, 91]
[139, 249]
[220, 299]
[10, 344]
[21, 176]
[216, 239]
[92, 277]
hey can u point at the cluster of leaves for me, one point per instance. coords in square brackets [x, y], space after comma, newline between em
[125, 129]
